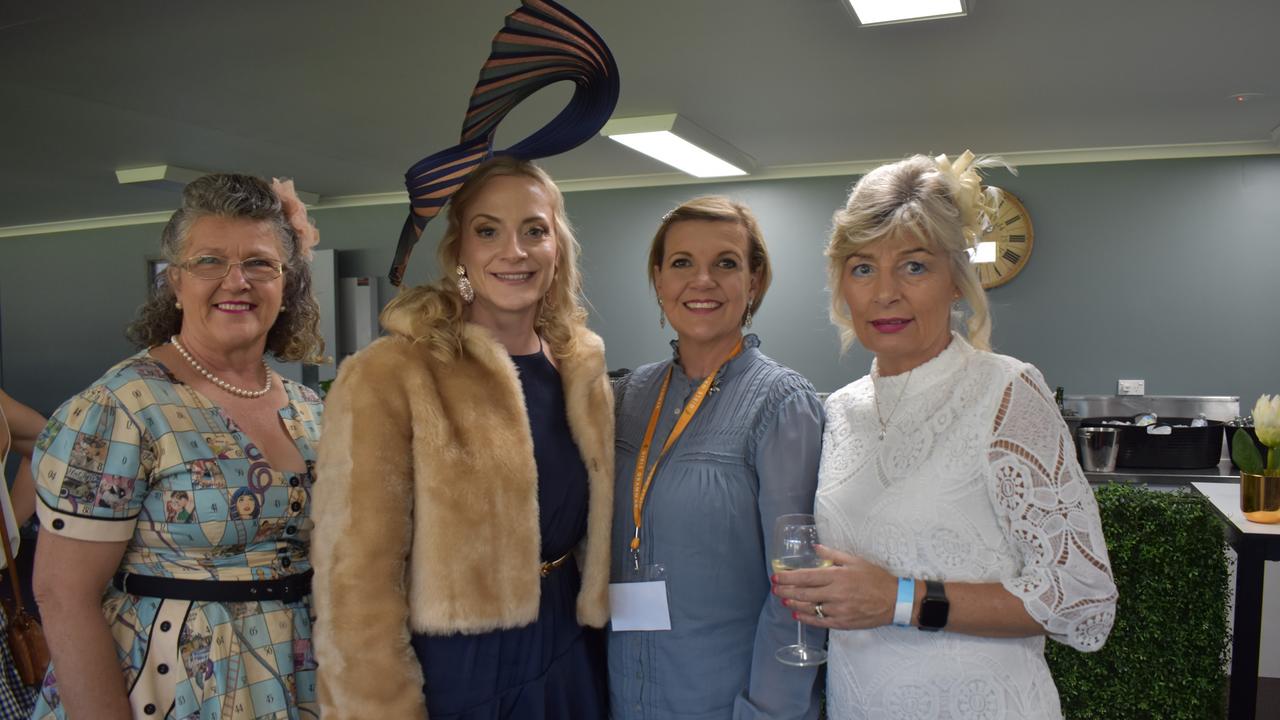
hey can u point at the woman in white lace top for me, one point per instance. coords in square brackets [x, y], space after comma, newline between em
[960, 526]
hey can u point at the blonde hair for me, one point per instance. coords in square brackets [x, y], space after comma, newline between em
[718, 208]
[933, 199]
[560, 313]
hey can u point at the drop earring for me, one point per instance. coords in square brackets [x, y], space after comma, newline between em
[747, 318]
[467, 292]
[662, 315]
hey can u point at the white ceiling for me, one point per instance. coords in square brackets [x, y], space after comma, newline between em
[344, 96]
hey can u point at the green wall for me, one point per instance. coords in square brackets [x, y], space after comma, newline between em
[1162, 270]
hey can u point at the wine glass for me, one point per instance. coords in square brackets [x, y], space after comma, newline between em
[795, 538]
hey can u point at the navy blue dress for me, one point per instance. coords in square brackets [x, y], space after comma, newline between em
[553, 669]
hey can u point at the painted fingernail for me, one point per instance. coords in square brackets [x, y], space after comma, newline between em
[786, 602]
[795, 616]
[773, 579]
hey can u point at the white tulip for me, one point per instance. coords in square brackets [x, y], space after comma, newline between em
[1266, 420]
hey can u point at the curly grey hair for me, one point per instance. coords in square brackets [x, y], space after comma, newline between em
[295, 334]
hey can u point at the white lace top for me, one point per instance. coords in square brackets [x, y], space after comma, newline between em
[976, 480]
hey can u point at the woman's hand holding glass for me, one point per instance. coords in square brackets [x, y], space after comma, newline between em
[795, 543]
[854, 593]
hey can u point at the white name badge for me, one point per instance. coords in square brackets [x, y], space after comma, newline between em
[639, 606]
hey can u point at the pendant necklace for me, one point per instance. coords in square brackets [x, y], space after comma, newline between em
[875, 396]
[219, 381]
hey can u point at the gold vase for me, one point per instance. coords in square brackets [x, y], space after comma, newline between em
[1260, 497]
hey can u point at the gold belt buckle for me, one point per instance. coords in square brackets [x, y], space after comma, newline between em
[547, 567]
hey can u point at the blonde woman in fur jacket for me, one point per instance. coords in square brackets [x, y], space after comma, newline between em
[465, 482]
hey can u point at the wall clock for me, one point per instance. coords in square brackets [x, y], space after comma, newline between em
[1007, 238]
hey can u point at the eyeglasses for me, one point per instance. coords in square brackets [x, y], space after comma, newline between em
[212, 267]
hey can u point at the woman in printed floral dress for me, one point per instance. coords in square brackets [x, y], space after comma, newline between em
[205, 615]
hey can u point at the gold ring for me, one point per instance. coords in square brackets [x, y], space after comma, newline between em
[817, 610]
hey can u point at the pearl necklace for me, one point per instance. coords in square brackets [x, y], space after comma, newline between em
[875, 396]
[219, 381]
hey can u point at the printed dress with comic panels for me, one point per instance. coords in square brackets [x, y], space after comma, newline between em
[144, 458]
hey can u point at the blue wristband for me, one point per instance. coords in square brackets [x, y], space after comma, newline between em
[906, 601]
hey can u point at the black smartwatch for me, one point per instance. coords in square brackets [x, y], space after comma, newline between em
[935, 607]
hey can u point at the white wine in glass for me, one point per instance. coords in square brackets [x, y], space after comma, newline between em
[795, 540]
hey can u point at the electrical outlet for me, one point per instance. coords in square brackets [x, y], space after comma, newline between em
[1131, 387]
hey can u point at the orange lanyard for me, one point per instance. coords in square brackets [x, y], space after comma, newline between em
[641, 481]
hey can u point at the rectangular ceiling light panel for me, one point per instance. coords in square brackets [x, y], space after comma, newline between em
[883, 12]
[679, 143]
[174, 177]
[678, 153]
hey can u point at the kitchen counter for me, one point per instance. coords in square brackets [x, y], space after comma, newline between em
[1221, 408]
[1223, 473]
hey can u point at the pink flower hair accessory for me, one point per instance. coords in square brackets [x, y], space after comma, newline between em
[296, 213]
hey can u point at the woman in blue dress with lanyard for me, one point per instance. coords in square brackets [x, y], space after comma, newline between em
[712, 446]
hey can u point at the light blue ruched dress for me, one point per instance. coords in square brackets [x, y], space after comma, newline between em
[749, 455]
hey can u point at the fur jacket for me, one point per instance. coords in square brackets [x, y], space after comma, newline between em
[426, 508]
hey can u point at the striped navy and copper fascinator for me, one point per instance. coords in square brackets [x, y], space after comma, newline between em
[539, 44]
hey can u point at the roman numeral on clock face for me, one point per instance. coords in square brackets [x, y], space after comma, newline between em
[1009, 226]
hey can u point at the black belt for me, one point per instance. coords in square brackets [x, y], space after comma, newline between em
[291, 588]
